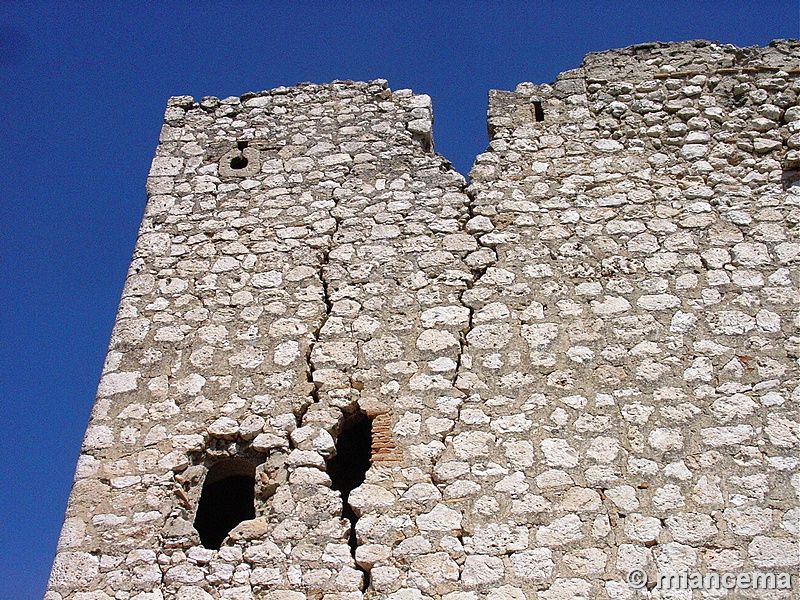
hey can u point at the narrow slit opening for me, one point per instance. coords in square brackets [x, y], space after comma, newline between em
[227, 499]
[538, 111]
[349, 467]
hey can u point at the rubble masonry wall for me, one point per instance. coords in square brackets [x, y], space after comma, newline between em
[583, 362]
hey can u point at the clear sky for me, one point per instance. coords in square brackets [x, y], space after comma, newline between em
[82, 90]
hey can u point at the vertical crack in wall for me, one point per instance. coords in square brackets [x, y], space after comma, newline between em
[462, 336]
[347, 469]
[315, 335]
[310, 368]
[477, 270]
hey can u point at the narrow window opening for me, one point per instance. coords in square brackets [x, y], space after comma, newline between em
[538, 111]
[348, 468]
[227, 499]
[239, 162]
[790, 178]
[242, 144]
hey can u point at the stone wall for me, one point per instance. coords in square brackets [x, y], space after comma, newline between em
[582, 363]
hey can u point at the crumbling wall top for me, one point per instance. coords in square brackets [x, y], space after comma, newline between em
[660, 59]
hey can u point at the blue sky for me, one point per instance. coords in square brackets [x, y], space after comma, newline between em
[83, 87]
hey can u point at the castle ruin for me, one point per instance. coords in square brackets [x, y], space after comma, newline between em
[341, 372]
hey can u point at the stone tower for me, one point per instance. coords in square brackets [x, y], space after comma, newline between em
[340, 372]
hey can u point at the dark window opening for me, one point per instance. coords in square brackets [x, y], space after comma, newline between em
[790, 178]
[348, 468]
[227, 499]
[538, 111]
[242, 144]
[238, 162]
